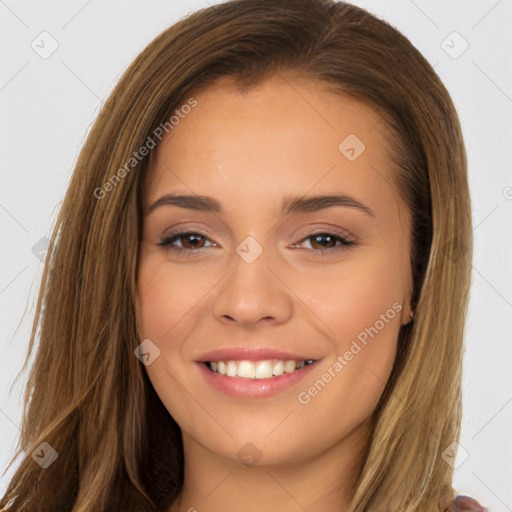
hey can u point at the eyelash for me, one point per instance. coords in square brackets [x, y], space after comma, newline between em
[167, 242]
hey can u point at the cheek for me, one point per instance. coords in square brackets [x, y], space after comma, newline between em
[354, 295]
[170, 304]
[361, 306]
[169, 295]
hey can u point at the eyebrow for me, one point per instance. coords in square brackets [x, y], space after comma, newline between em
[289, 206]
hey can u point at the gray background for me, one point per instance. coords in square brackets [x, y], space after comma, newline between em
[48, 105]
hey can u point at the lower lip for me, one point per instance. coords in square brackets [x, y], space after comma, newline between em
[254, 388]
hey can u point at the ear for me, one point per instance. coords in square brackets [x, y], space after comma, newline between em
[407, 313]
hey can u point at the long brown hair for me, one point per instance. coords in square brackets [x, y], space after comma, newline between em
[90, 399]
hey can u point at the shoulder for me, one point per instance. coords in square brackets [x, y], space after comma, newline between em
[463, 503]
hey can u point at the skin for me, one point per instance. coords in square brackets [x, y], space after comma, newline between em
[249, 150]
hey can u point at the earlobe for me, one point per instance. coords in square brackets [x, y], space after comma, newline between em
[407, 312]
[409, 318]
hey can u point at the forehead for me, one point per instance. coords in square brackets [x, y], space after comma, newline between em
[282, 137]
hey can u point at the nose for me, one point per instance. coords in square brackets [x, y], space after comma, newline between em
[253, 293]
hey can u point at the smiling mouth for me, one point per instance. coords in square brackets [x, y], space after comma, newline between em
[264, 369]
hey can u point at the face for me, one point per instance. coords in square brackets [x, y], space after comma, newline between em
[267, 273]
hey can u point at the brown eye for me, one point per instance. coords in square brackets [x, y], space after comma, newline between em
[325, 241]
[328, 242]
[191, 241]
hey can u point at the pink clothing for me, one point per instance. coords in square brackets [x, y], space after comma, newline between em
[463, 503]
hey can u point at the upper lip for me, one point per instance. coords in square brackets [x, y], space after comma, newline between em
[251, 354]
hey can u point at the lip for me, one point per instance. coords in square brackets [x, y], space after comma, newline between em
[251, 354]
[241, 387]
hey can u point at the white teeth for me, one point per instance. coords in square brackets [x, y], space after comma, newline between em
[289, 366]
[278, 368]
[265, 369]
[231, 369]
[246, 369]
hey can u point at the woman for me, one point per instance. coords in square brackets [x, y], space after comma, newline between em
[202, 345]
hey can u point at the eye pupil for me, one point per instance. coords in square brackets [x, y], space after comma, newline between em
[192, 237]
[320, 236]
